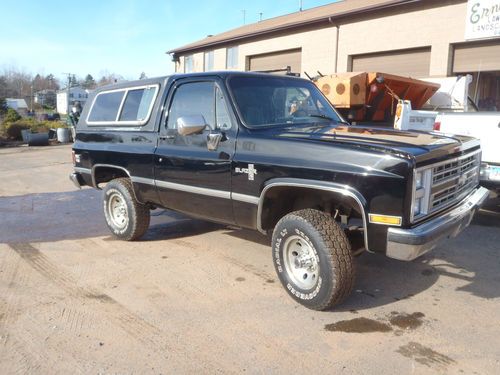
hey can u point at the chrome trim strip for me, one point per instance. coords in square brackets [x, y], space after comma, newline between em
[319, 185]
[194, 189]
[142, 180]
[245, 198]
[82, 170]
[197, 190]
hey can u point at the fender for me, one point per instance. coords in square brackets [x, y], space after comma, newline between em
[95, 166]
[318, 185]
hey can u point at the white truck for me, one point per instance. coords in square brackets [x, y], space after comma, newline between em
[454, 113]
[482, 125]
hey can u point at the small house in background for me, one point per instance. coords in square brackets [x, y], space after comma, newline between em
[46, 98]
[75, 94]
[17, 104]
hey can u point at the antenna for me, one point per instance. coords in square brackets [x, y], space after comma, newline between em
[244, 11]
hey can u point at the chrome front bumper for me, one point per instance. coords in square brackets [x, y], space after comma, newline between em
[77, 179]
[408, 244]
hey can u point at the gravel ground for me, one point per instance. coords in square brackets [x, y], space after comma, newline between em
[195, 296]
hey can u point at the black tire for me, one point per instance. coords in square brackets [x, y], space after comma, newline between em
[323, 284]
[133, 220]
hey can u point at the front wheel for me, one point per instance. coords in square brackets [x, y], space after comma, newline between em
[313, 259]
[126, 217]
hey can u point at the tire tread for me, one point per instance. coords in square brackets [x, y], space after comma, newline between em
[139, 215]
[338, 253]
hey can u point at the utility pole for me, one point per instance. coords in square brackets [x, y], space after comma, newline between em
[244, 11]
[67, 91]
[32, 97]
[300, 5]
[260, 16]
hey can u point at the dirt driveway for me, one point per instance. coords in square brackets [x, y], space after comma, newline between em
[194, 296]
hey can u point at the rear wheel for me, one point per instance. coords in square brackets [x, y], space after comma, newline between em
[313, 259]
[126, 217]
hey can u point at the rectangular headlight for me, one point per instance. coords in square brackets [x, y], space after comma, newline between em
[419, 180]
[417, 206]
[421, 192]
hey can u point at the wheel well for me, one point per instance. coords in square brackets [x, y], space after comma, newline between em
[106, 174]
[282, 200]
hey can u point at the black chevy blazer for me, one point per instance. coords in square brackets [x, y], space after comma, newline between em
[270, 153]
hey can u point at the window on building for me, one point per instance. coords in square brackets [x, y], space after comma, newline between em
[71, 95]
[209, 61]
[188, 64]
[232, 58]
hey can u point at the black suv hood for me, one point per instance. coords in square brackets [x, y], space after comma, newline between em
[421, 145]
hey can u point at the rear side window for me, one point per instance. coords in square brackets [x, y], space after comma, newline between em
[123, 107]
[106, 106]
[137, 103]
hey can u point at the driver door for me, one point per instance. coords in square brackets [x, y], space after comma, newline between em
[191, 175]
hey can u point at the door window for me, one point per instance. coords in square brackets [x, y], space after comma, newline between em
[221, 112]
[195, 98]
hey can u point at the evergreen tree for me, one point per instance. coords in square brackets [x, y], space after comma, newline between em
[89, 82]
[3, 106]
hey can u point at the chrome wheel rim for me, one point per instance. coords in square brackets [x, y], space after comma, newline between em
[301, 262]
[117, 210]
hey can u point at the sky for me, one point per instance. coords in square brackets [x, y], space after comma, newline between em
[124, 37]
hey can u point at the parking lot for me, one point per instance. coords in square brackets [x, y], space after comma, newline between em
[195, 296]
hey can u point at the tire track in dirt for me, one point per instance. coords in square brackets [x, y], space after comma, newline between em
[142, 331]
[10, 271]
[134, 325]
[249, 268]
[21, 359]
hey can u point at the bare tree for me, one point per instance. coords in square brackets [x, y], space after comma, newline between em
[109, 78]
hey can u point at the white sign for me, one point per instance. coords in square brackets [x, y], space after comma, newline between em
[483, 19]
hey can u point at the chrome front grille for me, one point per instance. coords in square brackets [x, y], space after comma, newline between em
[452, 180]
[453, 169]
[443, 184]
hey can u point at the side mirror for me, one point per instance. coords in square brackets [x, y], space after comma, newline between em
[192, 124]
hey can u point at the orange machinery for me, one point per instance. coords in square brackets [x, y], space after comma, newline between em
[373, 97]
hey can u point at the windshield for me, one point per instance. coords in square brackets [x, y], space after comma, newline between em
[265, 101]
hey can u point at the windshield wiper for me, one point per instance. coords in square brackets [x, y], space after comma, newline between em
[322, 116]
[329, 118]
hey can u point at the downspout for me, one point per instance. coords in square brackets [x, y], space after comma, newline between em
[336, 42]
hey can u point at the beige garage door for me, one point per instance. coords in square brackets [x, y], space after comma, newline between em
[408, 63]
[476, 57]
[277, 60]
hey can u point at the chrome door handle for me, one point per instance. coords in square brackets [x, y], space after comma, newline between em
[165, 137]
